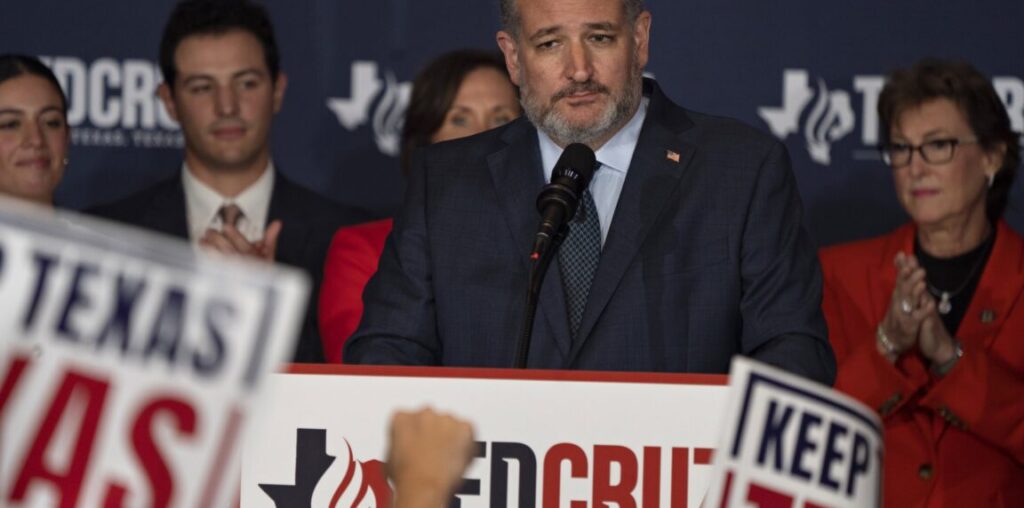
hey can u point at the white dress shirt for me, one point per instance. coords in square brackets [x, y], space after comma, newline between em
[203, 205]
[614, 157]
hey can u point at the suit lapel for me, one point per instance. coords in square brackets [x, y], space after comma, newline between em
[518, 177]
[167, 213]
[295, 230]
[653, 177]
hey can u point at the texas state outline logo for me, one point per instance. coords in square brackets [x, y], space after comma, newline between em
[332, 481]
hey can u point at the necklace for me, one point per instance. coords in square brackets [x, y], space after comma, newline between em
[945, 306]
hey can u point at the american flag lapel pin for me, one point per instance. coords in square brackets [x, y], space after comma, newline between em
[672, 156]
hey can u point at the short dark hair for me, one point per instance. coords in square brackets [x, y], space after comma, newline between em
[511, 21]
[13, 65]
[215, 17]
[973, 93]
[433, 92]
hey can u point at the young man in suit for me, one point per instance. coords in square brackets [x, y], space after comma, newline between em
[696, 251]
[223, 85]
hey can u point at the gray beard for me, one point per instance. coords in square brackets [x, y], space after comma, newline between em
[546, 118]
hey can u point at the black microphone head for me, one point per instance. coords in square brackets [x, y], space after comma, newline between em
[578, 162]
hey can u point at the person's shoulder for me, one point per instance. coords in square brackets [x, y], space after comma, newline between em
[715, 131]
[299, 200]
[875, 250]
[476, 148]
[127, 208]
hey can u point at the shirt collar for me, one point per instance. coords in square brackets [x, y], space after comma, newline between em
[615, 154]
[204, 202]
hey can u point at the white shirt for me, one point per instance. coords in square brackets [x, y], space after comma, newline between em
[202, 204]
[614, 157]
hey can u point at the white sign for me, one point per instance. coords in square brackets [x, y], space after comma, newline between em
[545, 438]
[129, 363]
[790, 442]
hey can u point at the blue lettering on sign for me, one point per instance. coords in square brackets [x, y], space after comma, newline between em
[831, 452]
[76, 300]
[771, 437]
[804, 444]
[43, 264]
[119, 325]
[168, 327]
[81, 317]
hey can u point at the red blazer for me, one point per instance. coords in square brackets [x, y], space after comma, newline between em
[951, 441]
[351, 261]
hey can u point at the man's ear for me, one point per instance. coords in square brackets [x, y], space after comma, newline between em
[280, 84]
[510, 49]
[642, 37]
[167, 97]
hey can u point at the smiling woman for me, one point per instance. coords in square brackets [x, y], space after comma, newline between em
[33, 129]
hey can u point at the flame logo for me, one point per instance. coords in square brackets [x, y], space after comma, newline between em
[829, 120]
[323, 480]
[349, 483]
[390, 115]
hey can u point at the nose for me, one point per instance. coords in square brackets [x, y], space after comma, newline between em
[917, 166]
[580, 68]
[34, 135]
[227, 101]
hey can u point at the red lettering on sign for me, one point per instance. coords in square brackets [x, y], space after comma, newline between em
[82, 389]
[17, 367]
[553, 472]
[603, 490]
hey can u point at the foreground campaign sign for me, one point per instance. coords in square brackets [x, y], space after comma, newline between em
[546, 438]
[129, 363]
[789, 442]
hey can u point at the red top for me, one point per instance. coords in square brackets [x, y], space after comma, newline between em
[951, 441]
[351, 261]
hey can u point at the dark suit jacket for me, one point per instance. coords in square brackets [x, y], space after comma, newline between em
[706, 258]
[309, 221]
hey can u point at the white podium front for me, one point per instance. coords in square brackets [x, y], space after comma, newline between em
[547, 438]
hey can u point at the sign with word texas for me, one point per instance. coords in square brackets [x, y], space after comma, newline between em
[791, 443]
[130, 363]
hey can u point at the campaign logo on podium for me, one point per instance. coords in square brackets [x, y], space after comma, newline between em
[790, 442]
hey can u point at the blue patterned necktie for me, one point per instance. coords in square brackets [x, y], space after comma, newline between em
[578, 258]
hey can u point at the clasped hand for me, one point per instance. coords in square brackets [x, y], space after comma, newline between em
[231, 241]
[912, 319]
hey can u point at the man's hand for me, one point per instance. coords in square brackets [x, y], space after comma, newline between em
[429, 452]
[230, 241]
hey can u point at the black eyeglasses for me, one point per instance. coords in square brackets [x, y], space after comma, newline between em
[936, 151]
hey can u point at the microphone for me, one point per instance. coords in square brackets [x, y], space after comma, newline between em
[557, 204]
[558, 200]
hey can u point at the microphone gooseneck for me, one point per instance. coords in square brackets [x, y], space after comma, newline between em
[557, 204]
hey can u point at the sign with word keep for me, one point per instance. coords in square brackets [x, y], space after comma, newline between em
[129, 363]
[789, 442]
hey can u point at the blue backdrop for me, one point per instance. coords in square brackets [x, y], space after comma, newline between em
[807, 71]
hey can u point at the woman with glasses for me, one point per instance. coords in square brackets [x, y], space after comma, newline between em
[927, 322]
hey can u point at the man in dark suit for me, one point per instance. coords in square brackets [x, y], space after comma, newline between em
[700, 251]
[223, 85]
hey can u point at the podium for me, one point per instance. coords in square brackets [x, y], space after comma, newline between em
[546, 438]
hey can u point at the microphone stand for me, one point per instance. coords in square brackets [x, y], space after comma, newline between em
[540, 260]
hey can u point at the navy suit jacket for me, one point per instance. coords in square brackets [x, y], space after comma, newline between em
[706, 258]
[309, 221]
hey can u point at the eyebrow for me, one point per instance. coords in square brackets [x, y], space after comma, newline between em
[236, 75]
[599, 26]
[14, 111]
